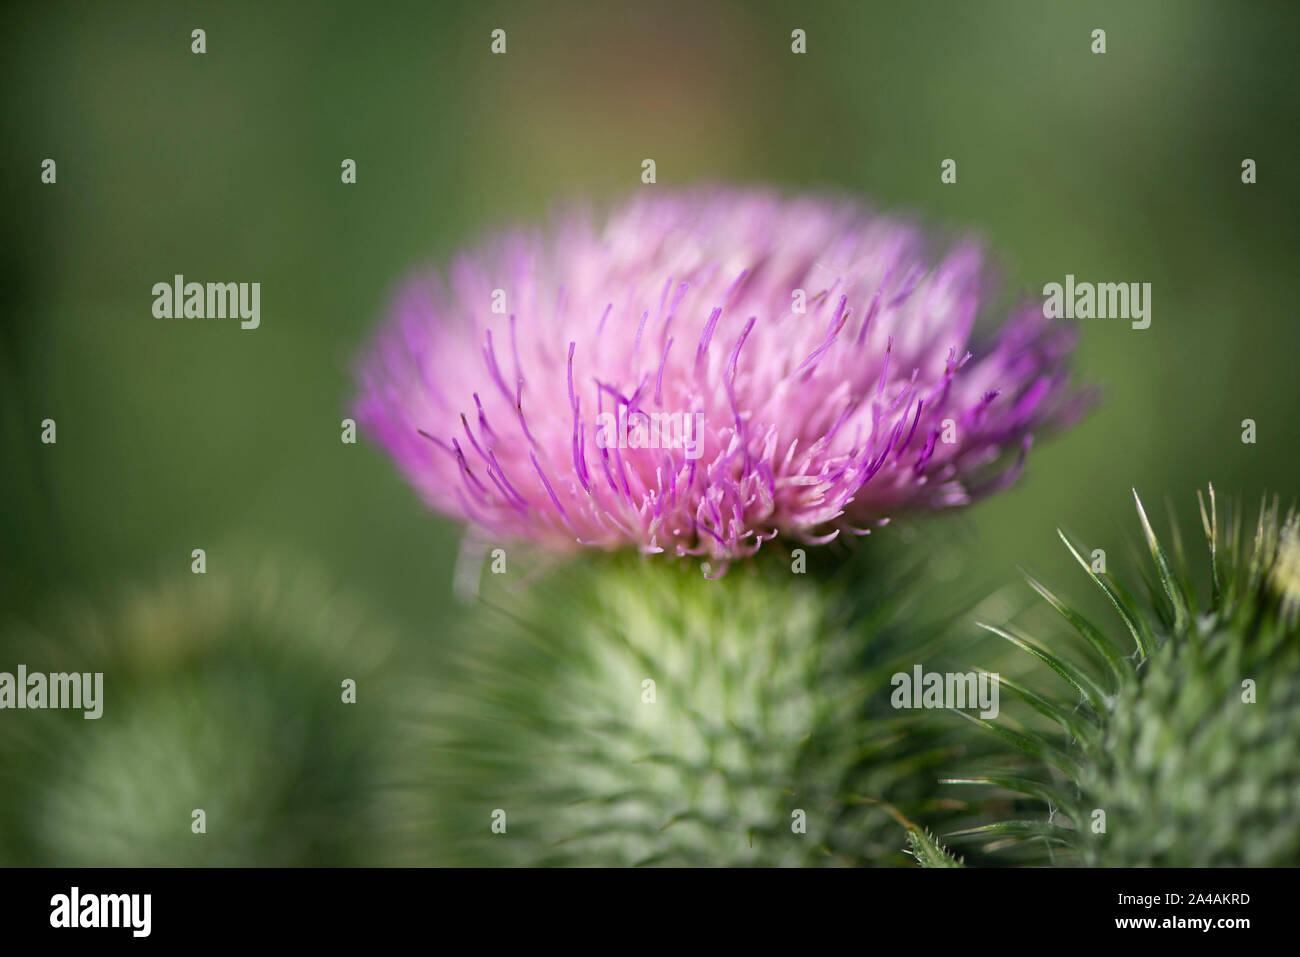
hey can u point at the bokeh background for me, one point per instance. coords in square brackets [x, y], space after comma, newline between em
[177, 435]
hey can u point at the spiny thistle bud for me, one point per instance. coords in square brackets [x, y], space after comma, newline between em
[225, 735]
[1177, 743]
[626, 712]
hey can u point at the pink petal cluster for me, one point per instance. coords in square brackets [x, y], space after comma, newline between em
[818, 359]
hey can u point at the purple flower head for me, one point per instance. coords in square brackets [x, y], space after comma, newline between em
[699, 373]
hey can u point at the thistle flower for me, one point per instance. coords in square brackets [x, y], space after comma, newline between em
[1176, 741]
[704, 372]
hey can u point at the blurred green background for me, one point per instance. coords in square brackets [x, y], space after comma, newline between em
[177, 435]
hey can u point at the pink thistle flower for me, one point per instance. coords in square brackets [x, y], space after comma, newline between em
[699, 373]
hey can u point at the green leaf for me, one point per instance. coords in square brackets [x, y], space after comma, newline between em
[1022, 829]
[1103, 645]
[928, 851]
[1044, 792]
[925, 847]
[1031, 744]
[1210, 523]
[1168, 580]
[1074, 726]
[1135, 623]
[1081, 682]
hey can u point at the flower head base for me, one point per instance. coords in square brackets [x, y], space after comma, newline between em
[702, 372]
